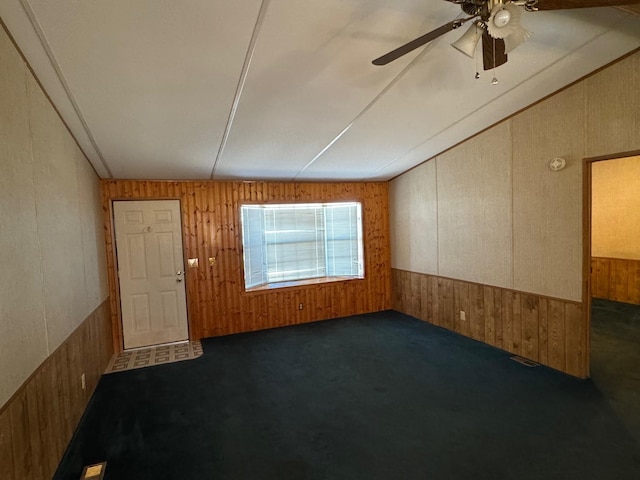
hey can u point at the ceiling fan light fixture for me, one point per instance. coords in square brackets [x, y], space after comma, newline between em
[502, 17]
[468, 42]
[516, 39]
[504, 20]
[504, 23]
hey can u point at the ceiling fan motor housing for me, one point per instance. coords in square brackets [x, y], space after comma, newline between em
[471, 8]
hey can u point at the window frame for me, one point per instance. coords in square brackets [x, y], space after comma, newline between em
[306, 281]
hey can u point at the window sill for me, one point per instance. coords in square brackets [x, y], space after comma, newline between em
[300, 283]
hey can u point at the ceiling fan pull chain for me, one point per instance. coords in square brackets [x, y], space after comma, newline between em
[494, 80]
[475, 57]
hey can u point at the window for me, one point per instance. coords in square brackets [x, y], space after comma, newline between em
[289, 242]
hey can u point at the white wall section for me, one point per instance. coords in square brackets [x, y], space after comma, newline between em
[503, 217]
[615, 211]
[51, 243]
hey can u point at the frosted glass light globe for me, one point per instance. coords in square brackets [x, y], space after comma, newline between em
[501, 18]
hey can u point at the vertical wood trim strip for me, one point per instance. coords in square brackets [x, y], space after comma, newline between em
[543, 332]
[557, 357]
[21, 444]
[587, 185]
[476, 305]
[489, 315]
[507, 320]
[575, 336]
[7, 468]
[497, 300]
[530, 326]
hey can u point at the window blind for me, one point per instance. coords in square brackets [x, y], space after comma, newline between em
[290, 242]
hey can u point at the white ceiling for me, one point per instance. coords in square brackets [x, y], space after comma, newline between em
[285, 89]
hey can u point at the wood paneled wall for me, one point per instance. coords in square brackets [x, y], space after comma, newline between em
[547, 330]
[38, 422]
[216, 300]
[616, 279]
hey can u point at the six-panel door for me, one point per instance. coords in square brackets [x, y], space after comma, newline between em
[151, 272]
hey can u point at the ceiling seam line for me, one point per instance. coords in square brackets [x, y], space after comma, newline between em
[241, 82]
[370, 105]
[399, 157]
[28, 9]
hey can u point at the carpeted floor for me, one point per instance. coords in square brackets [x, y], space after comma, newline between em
[615, 358]
[378, 396]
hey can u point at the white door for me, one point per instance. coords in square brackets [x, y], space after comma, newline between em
[151, 272]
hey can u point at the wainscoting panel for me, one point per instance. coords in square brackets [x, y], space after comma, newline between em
[216, 299]
[616, 279]
[38, 422]
[546, 330]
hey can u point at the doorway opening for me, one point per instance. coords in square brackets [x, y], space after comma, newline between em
[612, 255]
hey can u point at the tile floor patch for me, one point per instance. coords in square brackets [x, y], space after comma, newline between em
[160, 355]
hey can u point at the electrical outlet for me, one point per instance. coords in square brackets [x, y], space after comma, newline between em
[299, 306]
[83, 380]
[463, 316]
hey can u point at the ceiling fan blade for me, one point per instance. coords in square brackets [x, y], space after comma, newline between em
[493, 54]
[563, 4]
[418, 42]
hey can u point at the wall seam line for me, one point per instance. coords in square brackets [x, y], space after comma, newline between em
[437, 218]
[513, 240]
[35, 208]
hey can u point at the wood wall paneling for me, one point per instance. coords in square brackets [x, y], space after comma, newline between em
[546, 330]
[576, 340]
[7, 467]
[476, 312]
[530, 326]
[616, 279]
[489, 315]
[38, 421]
[543, 331]
[216, 300]
[557, 355]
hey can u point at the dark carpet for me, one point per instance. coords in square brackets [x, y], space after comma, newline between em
[378, 396]
[615, 358]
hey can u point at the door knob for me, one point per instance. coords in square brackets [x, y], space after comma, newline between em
[178, 273]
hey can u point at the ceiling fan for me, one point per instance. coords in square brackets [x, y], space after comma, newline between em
[497, 23]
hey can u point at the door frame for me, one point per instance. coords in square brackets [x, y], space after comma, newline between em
[116, 327]
[587, 172]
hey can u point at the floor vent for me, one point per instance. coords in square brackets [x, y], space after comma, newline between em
[525, 361]
[94, 472]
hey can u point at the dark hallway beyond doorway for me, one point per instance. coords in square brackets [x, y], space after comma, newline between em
[615, 358]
